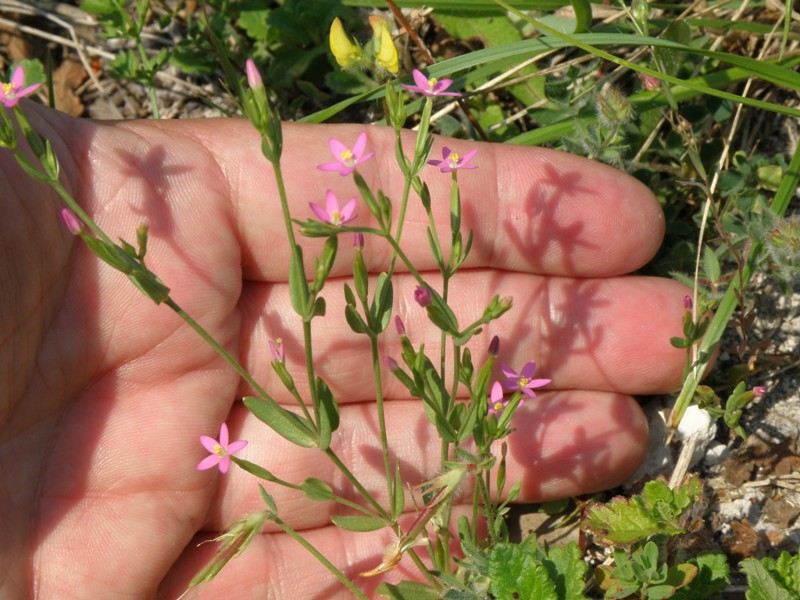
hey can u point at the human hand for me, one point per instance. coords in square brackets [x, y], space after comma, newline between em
[103, 395]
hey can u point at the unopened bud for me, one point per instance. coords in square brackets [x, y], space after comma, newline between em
[253, 76]
[422, 295]
[71, 220]
[494, 347]
[759, 391]
[390, 363]
[687, 302]
[398, 324]
[358, 240]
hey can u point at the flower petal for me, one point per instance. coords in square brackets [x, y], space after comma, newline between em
[234, 447]
[223, 435]
[332, 166]
[331, 204]
[420, 80]
[360, 145]
[208, 443]
[337, 148]
[17, 78]
[224, 463]
[212, 460]
[348, 211]
[319, 212]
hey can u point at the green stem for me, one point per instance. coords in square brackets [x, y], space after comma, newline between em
[381, 415]
[357, 485]
[319, 556]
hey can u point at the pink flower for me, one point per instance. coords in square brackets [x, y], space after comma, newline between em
[430, 87]
[422, 295]
[332, 213]
[347, 160]
[11, 92]
[452, 161]
[522, 381]
[276, 349]
[221, 450]
[759, 391]
[496, 401]
[687, 302]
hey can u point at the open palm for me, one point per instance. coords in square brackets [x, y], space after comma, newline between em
[103, 395]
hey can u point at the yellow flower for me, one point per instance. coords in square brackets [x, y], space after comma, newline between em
[385, 51]
[347, 54]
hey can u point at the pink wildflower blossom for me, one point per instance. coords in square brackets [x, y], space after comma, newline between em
[430, 87]
[11, 92]
[451, 161]
[523, 381]
[346, 159]
[332, 213]
[759, 391]
[220, 451]
[496, 401]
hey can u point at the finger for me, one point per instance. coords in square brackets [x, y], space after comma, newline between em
[531, 209]
[565, 443]
[602, 334]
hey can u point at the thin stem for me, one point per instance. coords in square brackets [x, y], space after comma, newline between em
[381, 416]
[357, 485]
[319, 556]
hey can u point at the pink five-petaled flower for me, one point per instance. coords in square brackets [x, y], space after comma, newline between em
[347, 160]
[452, 161]
[332, 213]
[522, 381]
[221, 450]
[11, 92]
[496, 401]
[430, 87]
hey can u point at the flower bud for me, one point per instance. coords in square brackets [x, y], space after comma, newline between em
[759, 391]
[422, 295]
[72, 222]
[494, 347]
[358, 240]
[390, 363]
[687, 302]
[253, 76]
[398, 324]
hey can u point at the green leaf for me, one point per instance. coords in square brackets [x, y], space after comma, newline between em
[515, 573]
[408, 590]
[328, 414]
[294, 428]
[358, 522]
[253, 469]
[316, 489]
[567, 570]
[711, 264]
[381, 309]
[771, 579]
[298, 286]
[712, 577]
[624, 521]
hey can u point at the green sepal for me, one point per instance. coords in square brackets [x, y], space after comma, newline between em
[288, 425]
[358, 522]
[317, 309]
[150, 285]
[328, 414]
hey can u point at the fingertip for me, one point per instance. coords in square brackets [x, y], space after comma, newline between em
[575, 442]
